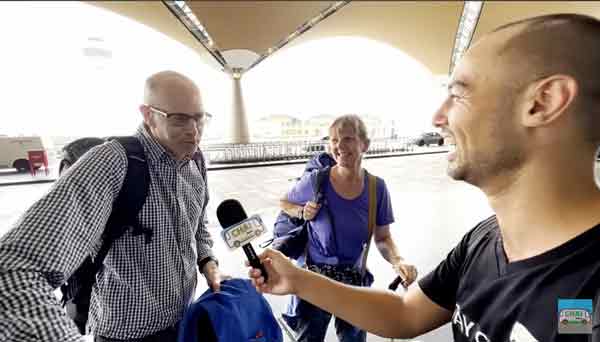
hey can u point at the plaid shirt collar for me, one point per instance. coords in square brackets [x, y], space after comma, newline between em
[156, 151]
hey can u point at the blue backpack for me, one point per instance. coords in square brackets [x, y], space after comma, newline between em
[290, 234]
[234, 314]
[320, 161]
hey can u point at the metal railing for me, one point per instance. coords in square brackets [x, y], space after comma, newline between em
[290, 150]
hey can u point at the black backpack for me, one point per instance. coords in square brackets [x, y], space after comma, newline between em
[77, 290]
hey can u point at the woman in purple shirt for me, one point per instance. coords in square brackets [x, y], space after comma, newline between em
[339, 228]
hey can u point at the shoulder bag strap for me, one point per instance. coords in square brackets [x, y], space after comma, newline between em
[372, 216]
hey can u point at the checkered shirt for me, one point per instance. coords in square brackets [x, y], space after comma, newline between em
[142, 288]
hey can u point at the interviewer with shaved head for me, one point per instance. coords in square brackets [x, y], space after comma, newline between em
[143, 285]
[523, 110]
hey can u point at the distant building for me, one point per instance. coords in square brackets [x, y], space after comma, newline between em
[287, 127]
[276, 126]
[317, 127]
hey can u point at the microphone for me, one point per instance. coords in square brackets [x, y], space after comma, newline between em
[394, 285]
[238, 230]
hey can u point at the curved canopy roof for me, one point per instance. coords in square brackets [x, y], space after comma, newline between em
[241, 34]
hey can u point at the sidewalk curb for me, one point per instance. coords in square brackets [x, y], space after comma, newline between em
[38, 181]
[302, 161]
[245, 166]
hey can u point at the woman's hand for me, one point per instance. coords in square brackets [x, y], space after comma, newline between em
[310, 211]
[406, 271]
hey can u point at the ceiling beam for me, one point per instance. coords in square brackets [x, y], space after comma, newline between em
[307, 25]
[187, 17]
[466, 28]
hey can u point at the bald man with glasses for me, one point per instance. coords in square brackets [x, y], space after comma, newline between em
[142, 288]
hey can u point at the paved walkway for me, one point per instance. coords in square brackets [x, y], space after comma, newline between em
[432, 213]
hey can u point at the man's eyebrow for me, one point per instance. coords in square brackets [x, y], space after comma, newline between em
[457, 83]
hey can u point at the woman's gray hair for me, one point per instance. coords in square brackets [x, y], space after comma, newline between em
[351, 120]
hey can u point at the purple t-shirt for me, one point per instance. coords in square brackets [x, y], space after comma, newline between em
[344, 245]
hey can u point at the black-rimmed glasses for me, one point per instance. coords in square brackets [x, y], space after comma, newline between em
[183, 119]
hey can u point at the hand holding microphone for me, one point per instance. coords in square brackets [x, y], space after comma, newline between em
[239, 230]
[284, 276]
[394, 284]
[407, 274]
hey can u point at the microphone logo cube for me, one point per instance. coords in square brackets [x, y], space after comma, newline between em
[243, 232]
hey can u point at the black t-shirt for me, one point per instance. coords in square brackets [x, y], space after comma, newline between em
[496, 301]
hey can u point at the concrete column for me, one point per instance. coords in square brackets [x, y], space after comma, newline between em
[238, 123]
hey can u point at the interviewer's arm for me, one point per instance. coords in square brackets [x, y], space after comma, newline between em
[380, 312]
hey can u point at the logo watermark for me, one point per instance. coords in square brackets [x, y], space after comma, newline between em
[575, 316]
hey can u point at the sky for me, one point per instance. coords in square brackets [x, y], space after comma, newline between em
[346, 74]
[49, 87]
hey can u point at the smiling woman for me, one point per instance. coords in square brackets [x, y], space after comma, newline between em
[84, 71]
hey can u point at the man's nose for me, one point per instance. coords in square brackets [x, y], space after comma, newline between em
[192, 128]
[440, 117]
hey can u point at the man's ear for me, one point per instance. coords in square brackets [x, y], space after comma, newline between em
[147, 115]
[547, 99]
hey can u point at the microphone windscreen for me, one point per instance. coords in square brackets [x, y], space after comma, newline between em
[230, 212]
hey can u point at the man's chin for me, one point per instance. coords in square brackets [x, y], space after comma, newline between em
[190, 146]
[189, 152]
[455, 172]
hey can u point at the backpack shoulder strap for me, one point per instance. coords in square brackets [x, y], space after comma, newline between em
[319, 184]
[134, 191]
[319, 181]
[131, 198]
